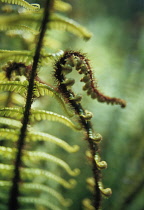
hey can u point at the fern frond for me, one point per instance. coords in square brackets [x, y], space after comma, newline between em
[9, 153]
[11, 134]
[56, 22]
[10, 123]
[39, 90]
[38, 187]
[23, 3]
[43, 156]
[62, 6]
[21, 87]
[38, 115]
[24, 56]
[62, 23]
[40, 136]
[30, 20]
[43, 188]
[46, 115]
[30, 173]
[16, 27]
[14, 86]
[15, 113]
[6, 170]
[43, 89]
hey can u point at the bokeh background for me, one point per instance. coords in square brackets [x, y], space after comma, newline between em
[117, 57]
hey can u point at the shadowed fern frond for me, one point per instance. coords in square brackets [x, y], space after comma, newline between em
[22, 3]
[32, 21]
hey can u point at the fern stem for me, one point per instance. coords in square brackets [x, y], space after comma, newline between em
[14, 193]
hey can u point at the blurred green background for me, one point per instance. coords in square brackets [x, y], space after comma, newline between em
[117, 57]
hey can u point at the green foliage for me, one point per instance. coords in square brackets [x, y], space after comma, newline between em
[22, 3]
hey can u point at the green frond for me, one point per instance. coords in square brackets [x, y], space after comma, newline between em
[56, 22]
[38, 115]
[62, 6]
[10, 123]
[30, 20]
[6, 170]
[16, 113]
[11, 134]
[62, 23]
[39, 90]
[43, 89]
[47, 57]
[24, 56]
[38, 187]
[9, 153]
[30, 173]
[40, 136]
[36, 156]
[14, 27]
[43, 188]
[38, 201]
[22, 3]
[14, 86]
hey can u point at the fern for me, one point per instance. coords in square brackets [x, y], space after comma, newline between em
[22, 3]
[25, 21]
[62, 6]
[38, 115]
[25, 170]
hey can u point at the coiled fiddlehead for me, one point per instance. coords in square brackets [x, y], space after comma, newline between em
[63, 67]
[76, 59]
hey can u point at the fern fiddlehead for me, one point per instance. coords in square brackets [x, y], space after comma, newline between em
[64, 66]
